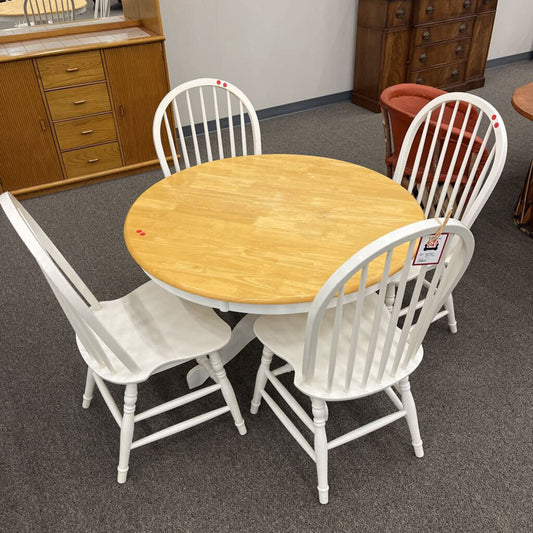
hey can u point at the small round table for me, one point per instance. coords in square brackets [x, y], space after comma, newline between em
[522, 101]
[261, 234]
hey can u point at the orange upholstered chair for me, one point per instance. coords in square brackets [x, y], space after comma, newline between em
[399, 106]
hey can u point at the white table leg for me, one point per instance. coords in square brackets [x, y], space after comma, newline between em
[242, 334]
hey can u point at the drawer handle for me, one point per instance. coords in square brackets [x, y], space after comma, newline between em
[459, 50]
[400, 13]
[426, 36]
[423, 58]
[430, 10]
[95, 160]
[73, 69]
[467, 4]
[462, 28]
[42, 123]
[455, 74]
[86, 132]
[419, 80]
[79, 102]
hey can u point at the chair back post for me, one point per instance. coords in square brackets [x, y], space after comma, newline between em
[391, 340]
[460, 155]
[72, 294]
[102, 8]
[197, 108]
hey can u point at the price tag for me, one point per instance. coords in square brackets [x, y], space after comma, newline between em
[430, 248]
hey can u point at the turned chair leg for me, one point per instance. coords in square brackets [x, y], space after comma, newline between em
[320, 417]
[261, 379]
[452, 322]
[203, 361]
[390, 296]
[126, 431]
[412, 419]
[227, 391]
[89, 388]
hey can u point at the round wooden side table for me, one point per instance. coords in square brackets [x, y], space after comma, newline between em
[522, 101]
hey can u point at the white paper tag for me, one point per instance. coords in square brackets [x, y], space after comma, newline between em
[430, 250]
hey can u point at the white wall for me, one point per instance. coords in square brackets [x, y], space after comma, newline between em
[276, 51]
[513, 28]
[284, 51]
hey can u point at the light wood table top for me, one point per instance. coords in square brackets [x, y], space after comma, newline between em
[15, 8]
[522, 100]
[263, 230]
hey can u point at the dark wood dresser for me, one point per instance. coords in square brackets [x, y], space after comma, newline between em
[442, 43]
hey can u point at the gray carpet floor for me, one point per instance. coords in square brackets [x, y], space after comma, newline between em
[473, 389]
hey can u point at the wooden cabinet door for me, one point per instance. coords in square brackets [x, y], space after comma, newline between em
[28, 154]
[138, 82]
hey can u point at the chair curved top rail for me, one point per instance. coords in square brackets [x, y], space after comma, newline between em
[203, 108]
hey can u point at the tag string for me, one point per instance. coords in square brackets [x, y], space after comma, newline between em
[439, 231]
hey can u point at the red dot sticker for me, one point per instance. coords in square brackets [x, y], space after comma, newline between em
[493, 117]
[218, 82]
[142, 234]
[139, 231]
[496, 125]
[225, 84]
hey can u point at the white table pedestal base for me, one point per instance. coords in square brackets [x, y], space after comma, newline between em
[242, 334]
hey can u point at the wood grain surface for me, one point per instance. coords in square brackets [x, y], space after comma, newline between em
[522, 100]
[71, 69]
[266, 229]
[78, 101]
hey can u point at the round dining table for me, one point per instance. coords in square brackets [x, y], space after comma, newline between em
[261, 234]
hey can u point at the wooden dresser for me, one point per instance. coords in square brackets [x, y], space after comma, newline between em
[78, 107]
[442, 43]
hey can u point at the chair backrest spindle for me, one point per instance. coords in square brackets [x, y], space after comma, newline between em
[206, 128]
[102, 8]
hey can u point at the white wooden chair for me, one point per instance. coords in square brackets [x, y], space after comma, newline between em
[342, 352]
[102, 8]
[200, 106]
[48, 11]
[125, 341]
[461, 139]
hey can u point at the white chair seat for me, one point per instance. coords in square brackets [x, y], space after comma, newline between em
[125, 341]
[158, 330]
[285, 336]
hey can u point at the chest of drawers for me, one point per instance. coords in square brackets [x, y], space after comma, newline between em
[77, 96]
[80, 113]
[442, 43]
